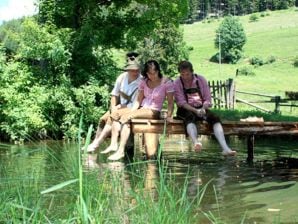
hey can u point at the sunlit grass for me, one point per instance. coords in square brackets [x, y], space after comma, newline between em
[273, 35]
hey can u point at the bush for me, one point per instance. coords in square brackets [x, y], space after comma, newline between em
[296, 62]
[253, 18]
[271, 59]
[232, 39]
[256, 61]
[245, 71]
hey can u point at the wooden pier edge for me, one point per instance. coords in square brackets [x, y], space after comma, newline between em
[248, 129]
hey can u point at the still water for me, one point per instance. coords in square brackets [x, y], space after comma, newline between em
[265, 191]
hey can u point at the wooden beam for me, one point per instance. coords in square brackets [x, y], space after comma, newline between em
[230, 127]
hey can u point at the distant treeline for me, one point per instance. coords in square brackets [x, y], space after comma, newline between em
[201, 9]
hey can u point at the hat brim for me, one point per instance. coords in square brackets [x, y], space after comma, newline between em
[131, 67]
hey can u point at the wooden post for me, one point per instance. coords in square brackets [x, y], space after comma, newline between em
[277, 104]
[225, 96]
[231, 93]
[250, 148]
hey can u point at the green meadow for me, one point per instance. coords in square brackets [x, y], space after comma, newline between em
[274, 34]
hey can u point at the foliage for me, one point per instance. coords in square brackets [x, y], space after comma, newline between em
[234, 115]
[258, 61]
[230, 39]
[9, 32]
[245, 71]
[202, 9]
[98, 26]
[61, 66]
[193, 6]
[295, 62]
[166, 45]
[253, 18]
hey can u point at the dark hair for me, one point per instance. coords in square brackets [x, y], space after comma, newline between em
[185, 65]
[151, 64]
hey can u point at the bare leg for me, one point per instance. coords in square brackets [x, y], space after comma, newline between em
[125, 132]
[116, 127]
[193, 134]
[219, 134]
[99, 138]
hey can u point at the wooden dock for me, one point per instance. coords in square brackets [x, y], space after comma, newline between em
[239, 128]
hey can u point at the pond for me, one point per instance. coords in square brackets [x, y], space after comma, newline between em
[187, 187]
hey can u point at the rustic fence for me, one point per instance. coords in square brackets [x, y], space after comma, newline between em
[223, 93]
[276, 100]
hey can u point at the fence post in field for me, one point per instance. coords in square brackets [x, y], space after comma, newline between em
[231, 93]
[277, 104]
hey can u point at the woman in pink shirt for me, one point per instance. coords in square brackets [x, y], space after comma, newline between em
[153, 90]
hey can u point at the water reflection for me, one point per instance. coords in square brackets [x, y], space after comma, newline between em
[263, 190]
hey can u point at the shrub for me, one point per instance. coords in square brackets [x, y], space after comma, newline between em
[256, 61]
[245, 71]
[230, 39]
[253, 18]
[296, 62]
[271, 59]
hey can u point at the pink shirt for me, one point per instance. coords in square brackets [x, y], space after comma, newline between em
[155, 97]
[193, 99]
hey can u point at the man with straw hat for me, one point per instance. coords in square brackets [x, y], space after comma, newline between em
[123, 95]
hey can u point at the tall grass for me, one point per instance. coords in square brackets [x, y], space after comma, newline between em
[140, 192]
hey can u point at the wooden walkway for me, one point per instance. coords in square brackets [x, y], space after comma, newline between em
[249, 129]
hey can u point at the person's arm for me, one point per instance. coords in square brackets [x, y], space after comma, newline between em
[170, 99]
[139, 100]
[114, 103]
[205, 91]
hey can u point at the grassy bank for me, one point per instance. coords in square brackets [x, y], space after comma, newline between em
[275, 34]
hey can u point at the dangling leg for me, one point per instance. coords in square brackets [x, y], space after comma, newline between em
[100, 138]
[125, 132]
[193, 134]
[116, 127]
[219, 134]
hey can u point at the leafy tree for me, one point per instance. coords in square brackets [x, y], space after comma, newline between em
[166, 45]
[230, 39]
[104, 25]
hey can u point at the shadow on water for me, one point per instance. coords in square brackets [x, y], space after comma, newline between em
[264, 190]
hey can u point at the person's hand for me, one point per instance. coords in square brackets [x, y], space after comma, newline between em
[115, 116]
[125, 118]
[169, 119]
[201, 112]
[114, 108]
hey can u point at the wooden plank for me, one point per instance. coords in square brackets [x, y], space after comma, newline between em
[253, 105]
[230, 127]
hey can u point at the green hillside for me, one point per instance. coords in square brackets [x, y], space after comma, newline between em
[275, 34]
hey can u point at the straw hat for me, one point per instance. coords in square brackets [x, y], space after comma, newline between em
[132, 65]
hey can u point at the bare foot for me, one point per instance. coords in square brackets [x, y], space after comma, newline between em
[90, 148]
[229, 153]
[116, 156]
[111, 148]
[198, 147]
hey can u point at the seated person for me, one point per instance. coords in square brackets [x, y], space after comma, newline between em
[125, 89]
[153, 90]
[193, 97]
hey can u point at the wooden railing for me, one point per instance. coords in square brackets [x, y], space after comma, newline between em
[276, 100]
[223, 93]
